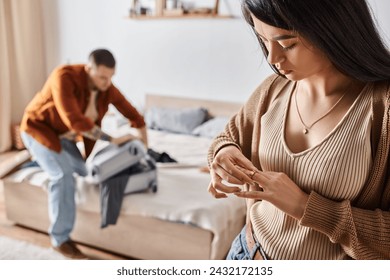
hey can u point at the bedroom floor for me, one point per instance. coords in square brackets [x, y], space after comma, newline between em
[9, 229]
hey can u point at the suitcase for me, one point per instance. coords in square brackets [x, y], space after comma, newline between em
[131, 158]
[121, 170]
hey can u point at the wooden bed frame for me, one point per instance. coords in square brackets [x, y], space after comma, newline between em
[131, 236]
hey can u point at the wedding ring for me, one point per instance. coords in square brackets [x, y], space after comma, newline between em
[252, 174]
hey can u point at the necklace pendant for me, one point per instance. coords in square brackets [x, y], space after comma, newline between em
[305, 131]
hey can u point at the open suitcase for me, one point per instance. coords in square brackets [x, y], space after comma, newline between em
[131, 158]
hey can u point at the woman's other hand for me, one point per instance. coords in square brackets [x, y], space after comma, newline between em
[227, 167]
[280, 190]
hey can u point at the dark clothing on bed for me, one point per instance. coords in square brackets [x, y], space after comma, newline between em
[160, 157]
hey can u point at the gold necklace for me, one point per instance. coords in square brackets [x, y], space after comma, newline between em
[306, 128]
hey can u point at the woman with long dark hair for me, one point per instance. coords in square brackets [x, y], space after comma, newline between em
[309, 151]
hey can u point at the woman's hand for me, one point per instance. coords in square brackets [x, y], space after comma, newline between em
[229, 165]
[280, 190]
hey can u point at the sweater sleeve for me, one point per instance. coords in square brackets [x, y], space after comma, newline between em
[363, 234]
[240, 130]
[126, 109]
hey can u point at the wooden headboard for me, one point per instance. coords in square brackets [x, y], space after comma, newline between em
[214, 107]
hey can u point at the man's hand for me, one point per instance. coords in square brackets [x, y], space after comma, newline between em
[123, 139]
[143, 135]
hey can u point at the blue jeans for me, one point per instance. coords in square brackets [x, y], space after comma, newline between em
[239, 249]
[61, 192]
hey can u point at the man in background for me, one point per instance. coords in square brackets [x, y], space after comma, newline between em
[70, 107]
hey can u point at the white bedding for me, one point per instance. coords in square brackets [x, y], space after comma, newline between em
[181, 195]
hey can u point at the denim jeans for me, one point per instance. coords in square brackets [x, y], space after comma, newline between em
[239, 249]
[61, 190]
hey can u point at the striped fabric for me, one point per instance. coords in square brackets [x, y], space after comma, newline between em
[336, 168]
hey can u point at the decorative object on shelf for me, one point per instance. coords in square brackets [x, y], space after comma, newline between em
[136, 8]
[133, 10]
[159, 9]
[173, 13]
[172, 4]
[173, 8]
[216, 7]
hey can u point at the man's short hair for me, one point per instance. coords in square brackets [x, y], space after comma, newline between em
[102, 57]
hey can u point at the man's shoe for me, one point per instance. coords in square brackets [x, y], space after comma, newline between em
[69, 250]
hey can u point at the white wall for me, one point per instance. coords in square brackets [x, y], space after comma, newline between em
[205, 58]
[215, 59]
[381, 9]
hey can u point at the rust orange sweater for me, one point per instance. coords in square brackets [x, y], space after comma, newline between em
[60, 106]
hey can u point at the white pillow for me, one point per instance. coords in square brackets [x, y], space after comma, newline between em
[175, 120]
[211, 128]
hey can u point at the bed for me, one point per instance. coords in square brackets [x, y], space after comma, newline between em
[180, 221]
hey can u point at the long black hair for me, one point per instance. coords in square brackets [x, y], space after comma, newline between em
[344, 30]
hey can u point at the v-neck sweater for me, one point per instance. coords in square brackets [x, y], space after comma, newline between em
[336, 167]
